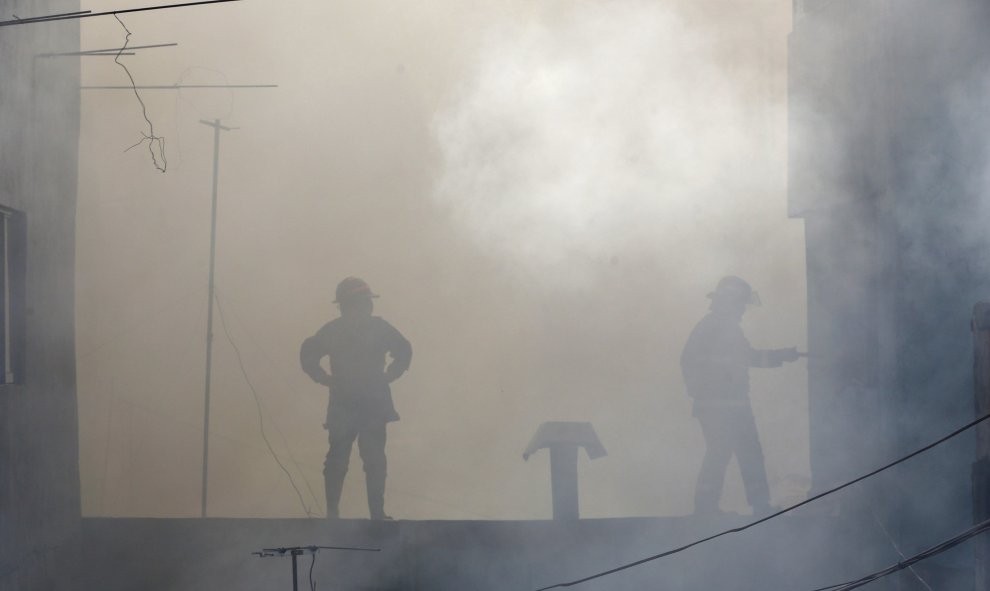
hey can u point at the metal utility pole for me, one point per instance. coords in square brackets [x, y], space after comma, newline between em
[215, 124]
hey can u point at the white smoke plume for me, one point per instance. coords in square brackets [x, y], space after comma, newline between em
[603, 126]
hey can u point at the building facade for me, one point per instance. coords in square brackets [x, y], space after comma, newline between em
[39, 130]
[888, 170]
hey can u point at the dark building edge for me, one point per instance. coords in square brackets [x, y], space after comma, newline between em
[887, 165]
[40, 528]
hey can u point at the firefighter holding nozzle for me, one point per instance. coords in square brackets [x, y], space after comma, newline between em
[357, 344]
[715, 364]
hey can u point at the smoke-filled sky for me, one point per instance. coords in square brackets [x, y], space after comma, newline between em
[541, 192]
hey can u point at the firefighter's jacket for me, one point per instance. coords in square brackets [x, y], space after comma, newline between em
[716, 361]
[358, 379]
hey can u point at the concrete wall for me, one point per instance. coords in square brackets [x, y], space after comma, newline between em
[39, 128]
[888, 169]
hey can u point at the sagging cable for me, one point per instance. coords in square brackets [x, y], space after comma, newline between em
[812, 499]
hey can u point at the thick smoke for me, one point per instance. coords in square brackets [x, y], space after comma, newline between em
[605, 128]
[542, 195]
[613, 158]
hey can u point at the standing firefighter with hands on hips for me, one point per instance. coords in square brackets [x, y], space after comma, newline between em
[715, 363]
[361, 405]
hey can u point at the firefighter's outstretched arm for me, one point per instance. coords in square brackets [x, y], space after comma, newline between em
[773, 357]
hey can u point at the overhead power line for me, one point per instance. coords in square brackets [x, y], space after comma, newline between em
[896, 547]
[86, 14]
[907, 563]
[812, 499]
[24, 21]
[178, 86]
[152, 139]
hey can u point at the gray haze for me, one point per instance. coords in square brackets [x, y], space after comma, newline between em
[542, 193]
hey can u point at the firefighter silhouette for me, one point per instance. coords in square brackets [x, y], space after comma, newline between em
[715, 364]
[357, 345]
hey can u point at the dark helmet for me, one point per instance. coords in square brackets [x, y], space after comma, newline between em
[353, 288]
[735, 289]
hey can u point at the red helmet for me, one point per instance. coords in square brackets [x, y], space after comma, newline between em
[736, 289]
[353, 288]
